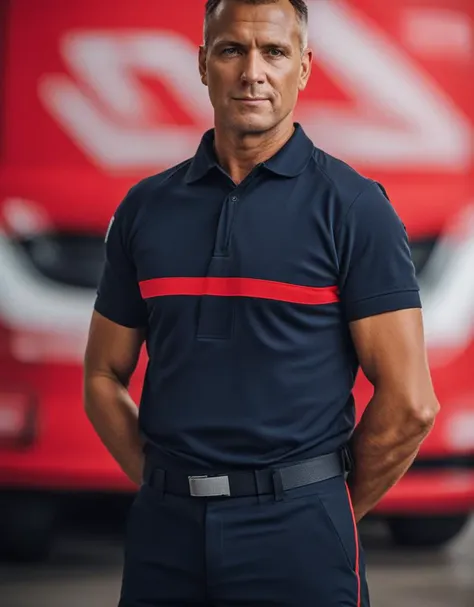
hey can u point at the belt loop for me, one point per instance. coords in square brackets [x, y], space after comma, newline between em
[148, 470]
[154, 478]
[258, 485]
[278, 486]
[158, 485]
[348, 461]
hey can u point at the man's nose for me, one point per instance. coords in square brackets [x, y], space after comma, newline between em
[254, 69]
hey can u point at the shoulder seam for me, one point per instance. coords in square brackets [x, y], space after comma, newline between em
[163, 176]
[367, 183]
[320, 169]
[350, 207]
[175, 170]
[144, 184]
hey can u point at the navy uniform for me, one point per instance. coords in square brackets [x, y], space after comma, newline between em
[246, 292]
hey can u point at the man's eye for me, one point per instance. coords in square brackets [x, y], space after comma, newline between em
[275, 52]
[230, 51]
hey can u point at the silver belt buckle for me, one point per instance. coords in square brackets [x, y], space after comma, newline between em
[209, 486]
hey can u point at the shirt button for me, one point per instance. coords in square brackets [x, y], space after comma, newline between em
[234, 198]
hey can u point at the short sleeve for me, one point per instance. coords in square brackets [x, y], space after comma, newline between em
[118, 294]
[376, 272]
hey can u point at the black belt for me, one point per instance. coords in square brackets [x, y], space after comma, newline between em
[241, 483]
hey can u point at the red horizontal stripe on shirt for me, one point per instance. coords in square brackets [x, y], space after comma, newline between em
[238, 287]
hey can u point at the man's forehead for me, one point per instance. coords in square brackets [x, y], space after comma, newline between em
[260, 32]
[268, 26]
[238, 20]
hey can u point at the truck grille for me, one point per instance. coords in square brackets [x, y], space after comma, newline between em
[70, 259]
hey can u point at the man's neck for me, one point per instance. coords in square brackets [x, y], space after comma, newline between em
[238, 154]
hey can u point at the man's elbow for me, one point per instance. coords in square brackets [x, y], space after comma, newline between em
[421, 414]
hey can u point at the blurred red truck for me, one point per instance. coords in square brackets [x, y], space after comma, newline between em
[95, 96]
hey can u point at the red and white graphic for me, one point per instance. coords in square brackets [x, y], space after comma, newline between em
[398, 116]
[96, 96]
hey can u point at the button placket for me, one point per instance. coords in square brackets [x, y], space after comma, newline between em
[216, 313]
[215, 318]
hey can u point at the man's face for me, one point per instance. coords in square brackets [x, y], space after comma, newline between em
[253, 65]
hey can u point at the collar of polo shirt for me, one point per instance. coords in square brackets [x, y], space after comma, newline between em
[289, 161]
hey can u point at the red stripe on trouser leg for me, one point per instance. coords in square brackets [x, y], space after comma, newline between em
[356, 538]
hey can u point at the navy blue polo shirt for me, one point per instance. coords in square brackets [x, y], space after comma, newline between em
[246, 292]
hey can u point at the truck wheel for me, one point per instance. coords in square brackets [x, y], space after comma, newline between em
[425, 531]
[27, 526]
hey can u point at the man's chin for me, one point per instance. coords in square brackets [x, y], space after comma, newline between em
[252, 125]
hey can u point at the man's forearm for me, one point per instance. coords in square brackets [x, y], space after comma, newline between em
[114, 417]
[383, 450]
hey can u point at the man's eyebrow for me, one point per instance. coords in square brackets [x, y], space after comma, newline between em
[229, 42]
[268, 44]
[277, 44]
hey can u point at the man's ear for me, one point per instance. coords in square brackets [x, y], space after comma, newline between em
[306, 64]
[203, 64]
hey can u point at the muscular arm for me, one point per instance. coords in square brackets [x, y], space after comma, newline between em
[111, 357]
[401, 413]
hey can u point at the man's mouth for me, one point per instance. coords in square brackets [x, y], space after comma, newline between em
[251, 100]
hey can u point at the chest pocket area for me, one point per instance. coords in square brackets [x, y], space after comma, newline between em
[216, 309]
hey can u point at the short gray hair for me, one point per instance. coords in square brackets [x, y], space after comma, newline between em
[300, 7]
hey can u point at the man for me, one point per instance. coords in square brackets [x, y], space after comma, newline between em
[260, 273]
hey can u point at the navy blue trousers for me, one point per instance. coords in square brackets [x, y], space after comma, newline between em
[299, 551]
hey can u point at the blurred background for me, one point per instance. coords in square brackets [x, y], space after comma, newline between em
[96, 95]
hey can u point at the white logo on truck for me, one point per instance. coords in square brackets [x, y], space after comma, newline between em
[401, 117]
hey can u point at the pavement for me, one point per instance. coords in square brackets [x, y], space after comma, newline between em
[85, 566]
